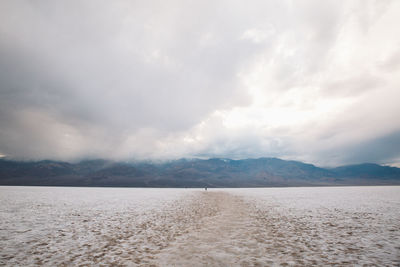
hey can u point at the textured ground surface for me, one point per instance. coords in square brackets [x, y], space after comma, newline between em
[187, 227]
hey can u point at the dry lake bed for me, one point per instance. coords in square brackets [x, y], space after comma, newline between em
[66, 226]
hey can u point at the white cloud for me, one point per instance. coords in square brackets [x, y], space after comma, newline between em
[306, 80]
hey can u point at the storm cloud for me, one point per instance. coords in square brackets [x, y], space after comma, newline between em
[310, 80]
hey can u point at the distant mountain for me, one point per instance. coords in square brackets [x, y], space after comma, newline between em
[367, 171]
[214, 172]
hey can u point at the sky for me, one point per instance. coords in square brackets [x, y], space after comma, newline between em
[315, 81]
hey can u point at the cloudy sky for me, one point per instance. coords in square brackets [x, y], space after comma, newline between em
[317, 81]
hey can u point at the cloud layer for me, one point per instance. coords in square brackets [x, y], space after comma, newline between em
[309, 80]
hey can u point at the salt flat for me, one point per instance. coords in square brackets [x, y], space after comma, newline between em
[57, 226]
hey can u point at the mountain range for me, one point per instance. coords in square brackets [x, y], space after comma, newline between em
[214, 172]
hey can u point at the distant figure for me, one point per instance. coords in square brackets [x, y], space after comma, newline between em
[205, 188]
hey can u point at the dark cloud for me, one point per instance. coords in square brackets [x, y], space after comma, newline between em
[382, 150]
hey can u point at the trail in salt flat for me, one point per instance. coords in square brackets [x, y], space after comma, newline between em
[230, 237]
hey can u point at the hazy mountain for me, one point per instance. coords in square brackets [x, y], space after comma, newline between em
[213, 172]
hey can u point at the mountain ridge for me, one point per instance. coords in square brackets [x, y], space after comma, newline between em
[213, 172]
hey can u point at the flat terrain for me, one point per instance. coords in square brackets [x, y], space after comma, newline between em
[343, 226]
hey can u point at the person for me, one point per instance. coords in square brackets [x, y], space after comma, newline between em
[205, 188]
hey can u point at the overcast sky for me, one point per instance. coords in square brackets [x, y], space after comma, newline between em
[316, 81]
